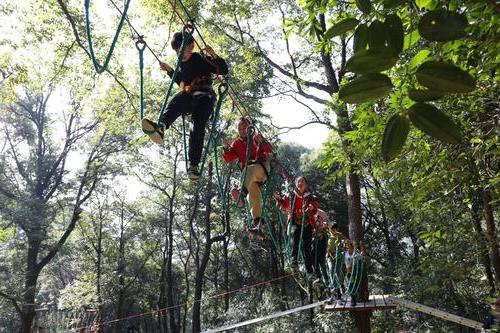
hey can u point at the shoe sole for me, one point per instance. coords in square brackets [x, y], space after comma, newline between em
[149, 128]
[193, 177]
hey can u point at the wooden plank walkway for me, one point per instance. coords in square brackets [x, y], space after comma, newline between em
[437, 313]
[375, 302]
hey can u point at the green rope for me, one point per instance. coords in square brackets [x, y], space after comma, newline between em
[98, 67]
[141, 45]
[357, 272]
[264, 211]
[222, 92]
[187, 33]
[184, 140]
[250, 133]
[316, 248]
[220, 187]
[335, 273]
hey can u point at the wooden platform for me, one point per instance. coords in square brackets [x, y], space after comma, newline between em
[375, 302]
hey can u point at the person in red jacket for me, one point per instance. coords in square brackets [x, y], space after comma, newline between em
[301, 221]
[258, 166]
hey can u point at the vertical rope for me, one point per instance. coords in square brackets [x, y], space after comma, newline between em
[140, 45]
[222, 92]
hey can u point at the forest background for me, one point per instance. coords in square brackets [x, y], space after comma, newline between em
[96, 223]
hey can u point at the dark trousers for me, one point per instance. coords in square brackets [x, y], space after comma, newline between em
[200, 108]
[319, 253]
[306, 232]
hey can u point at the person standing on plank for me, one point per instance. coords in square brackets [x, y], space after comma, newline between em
[196, 97]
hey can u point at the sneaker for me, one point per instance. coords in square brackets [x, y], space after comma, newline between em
[340, 302]
[256, 225]
[154, 131]
[193, 172]
[318, 282]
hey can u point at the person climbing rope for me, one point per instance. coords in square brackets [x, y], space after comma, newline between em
[257, 166]
[301, 210]
[320, 245]
[336, 242]
[196, 97]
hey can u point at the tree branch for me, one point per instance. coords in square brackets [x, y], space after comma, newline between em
[13, 300]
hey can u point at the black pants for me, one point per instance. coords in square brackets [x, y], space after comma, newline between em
[319, 255]
[306, 232]
[200, 108]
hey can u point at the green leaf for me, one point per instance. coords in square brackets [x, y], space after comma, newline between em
[435, 123]
[366, 88]
[372, 61]
[341, 28]
[419, 58]
[426, 4]
[364, 5]
[395, 134]
[445, 77]
[411, 39]
[425, 95]
[394, 32]
[442, 25]
[360, 38]
[376, 34]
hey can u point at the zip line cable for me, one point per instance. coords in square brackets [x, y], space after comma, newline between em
[163, 310]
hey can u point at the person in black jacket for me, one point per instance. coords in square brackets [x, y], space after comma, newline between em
[196, 97]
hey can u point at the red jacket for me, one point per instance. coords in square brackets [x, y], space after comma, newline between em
[238, 151]
[298, 206]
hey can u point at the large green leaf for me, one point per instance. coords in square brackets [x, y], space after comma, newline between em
[394, 32]
[376, 34]
[360, 38]
[442, 25]
[425, 95]
[434, 122]
[372, 60]
[341, 28]
[395, 134]
[366, 88]
[445, 77]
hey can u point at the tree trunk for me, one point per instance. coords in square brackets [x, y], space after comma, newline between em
[200, 272]
[162, 298]
[30, 280]
[174, 327]
[361, 318]
[491, 234]
[121, 272]
[482, 244]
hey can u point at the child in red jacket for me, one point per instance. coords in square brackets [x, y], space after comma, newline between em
[258, 166]
[301, 215]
